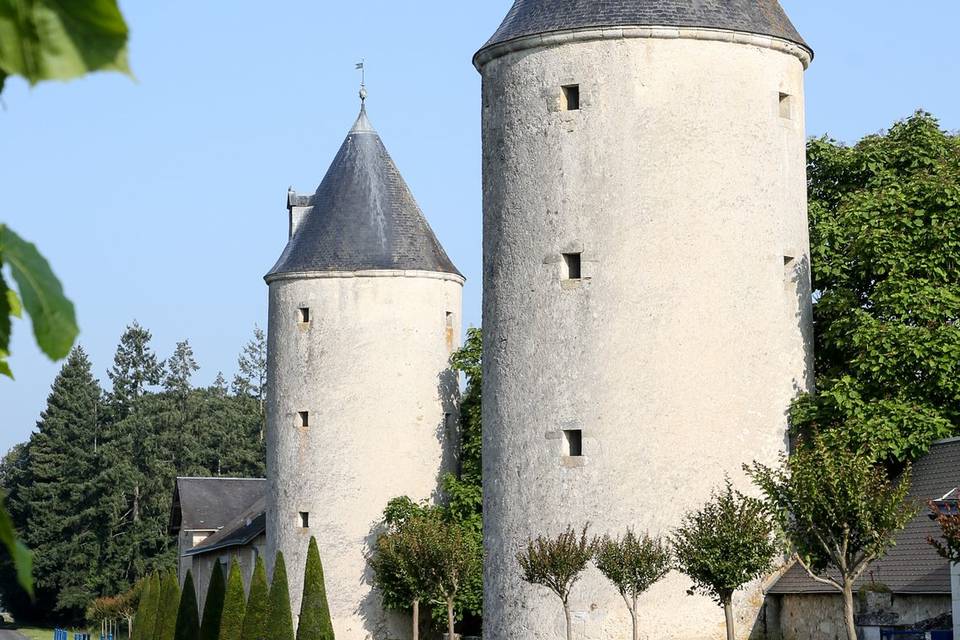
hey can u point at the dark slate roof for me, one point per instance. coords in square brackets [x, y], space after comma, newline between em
[241, 531]
[534, 17]
[912, 566]
[212, 503]
[364, 217]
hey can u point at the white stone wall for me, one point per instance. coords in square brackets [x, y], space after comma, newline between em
[683, 185]
[372, 370]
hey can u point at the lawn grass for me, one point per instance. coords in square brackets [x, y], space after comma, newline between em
[36, 633]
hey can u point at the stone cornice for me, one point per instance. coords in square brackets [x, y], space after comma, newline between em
[371, 273]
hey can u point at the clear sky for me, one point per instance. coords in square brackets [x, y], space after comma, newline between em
[163, 199]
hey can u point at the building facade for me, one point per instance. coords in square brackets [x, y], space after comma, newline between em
[646, 307]
[364, 313]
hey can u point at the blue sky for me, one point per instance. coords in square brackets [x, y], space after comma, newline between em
[163, 199]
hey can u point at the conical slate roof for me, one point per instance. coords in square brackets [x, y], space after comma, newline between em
[534, 17]
[364, 217]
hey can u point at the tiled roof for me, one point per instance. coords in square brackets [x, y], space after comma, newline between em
[240, 531]
[535, 17]
[363, 217]
[912, 566]
[211, 503]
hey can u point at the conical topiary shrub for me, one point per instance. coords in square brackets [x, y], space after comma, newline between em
[279, 616]
[166, 625]
[146, 618]
[315, 621]
[234, 605]
[255, 617]
[213, 605]
[188, 619]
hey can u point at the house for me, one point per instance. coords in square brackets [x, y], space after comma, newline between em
[907, 588]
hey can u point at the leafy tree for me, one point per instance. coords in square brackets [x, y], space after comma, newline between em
[213, 605]
[255, 616]
[838, 509]
[885, 243]
[315, 623]
[557, 563]
[188, 618]
[724, 545]
[458, 560]
[633, 564]
[234, 607]
[168, 608]
[949, 521]
[279, 616]
[146, 620]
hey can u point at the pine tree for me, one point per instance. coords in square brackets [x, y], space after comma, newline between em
[255, 617]
[60, 509]
[213, 605]
[168, 607]
[315, 623]
[279, 616]
[251, 380]
[146, 620]
[188, 619]
[135, 367]
[234, 607]
[180, 368]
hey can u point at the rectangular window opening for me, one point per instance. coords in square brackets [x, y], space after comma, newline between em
[786, 106]
[303, 315]
[573, 442]
[571, 97]
[571, 266]
[304, 520]
[303, 418]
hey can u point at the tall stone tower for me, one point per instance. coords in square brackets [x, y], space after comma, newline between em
[646, 301]
[364, 313]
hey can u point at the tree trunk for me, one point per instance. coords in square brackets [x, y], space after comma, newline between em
[848, 610]
[416, 620]
[632, 608]
[136, 502]
[569, 620]
[728, 614]
[450, 633]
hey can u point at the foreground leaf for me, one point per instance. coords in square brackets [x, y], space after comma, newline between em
[52, 315]
[22, 557]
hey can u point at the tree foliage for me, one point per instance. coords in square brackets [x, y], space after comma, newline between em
[146, 618]
[234, 605]
[885, 243]
[279, 616]
[948, 545]
[188, 617]
[168, 608]
[213, 605]
[258, 606]
[838, 509]
[315, 622]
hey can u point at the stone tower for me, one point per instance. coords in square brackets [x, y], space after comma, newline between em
[364, 313]
[646, 287]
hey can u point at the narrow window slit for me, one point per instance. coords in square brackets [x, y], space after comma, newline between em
[303, 315]
[573, 442]
[303, 418]
[786, 106]
[571, 266]
[304, 520]
[571, 97]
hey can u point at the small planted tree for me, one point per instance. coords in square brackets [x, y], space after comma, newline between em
[838, 509]
[255, 616]
[234, 605]
[146, 618]
[188, 618]
[458, 559]
[213, 605]
[557, 563]
[315, 623]
[166, 625]
[723, 546]
[279, 616]
[633, 564]
[948, 545]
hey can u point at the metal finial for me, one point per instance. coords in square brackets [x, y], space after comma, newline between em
[363, 84]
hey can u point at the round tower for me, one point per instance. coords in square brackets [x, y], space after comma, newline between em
[364, 313]
[646, 285]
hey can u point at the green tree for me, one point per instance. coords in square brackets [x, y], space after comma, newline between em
[135, 369]
[948, 544]
[633, 564]
[234, 606]
[557, 563]
[279, 616]
[255, 616]
[251, 377]
[723, 546]
[188, 618]
[839, 510]
[180, 368]
[146, 620]
[213, 605]
[315, 623]
[885, 250]
[168, 608]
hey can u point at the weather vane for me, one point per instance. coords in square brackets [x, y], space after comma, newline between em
[363, 84]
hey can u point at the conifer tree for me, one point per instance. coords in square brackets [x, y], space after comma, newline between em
[279, 616]
[168, 607]
[315, 623]
[135, 367]
[255, 616]
[180, 368]
[146, 620]
[188, 619]
[213, 605]
[234, 607]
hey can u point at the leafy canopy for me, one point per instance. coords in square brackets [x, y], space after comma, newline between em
[556, 563]
[725, 545]
[632, 563]
[948, 545]
[885, 252]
